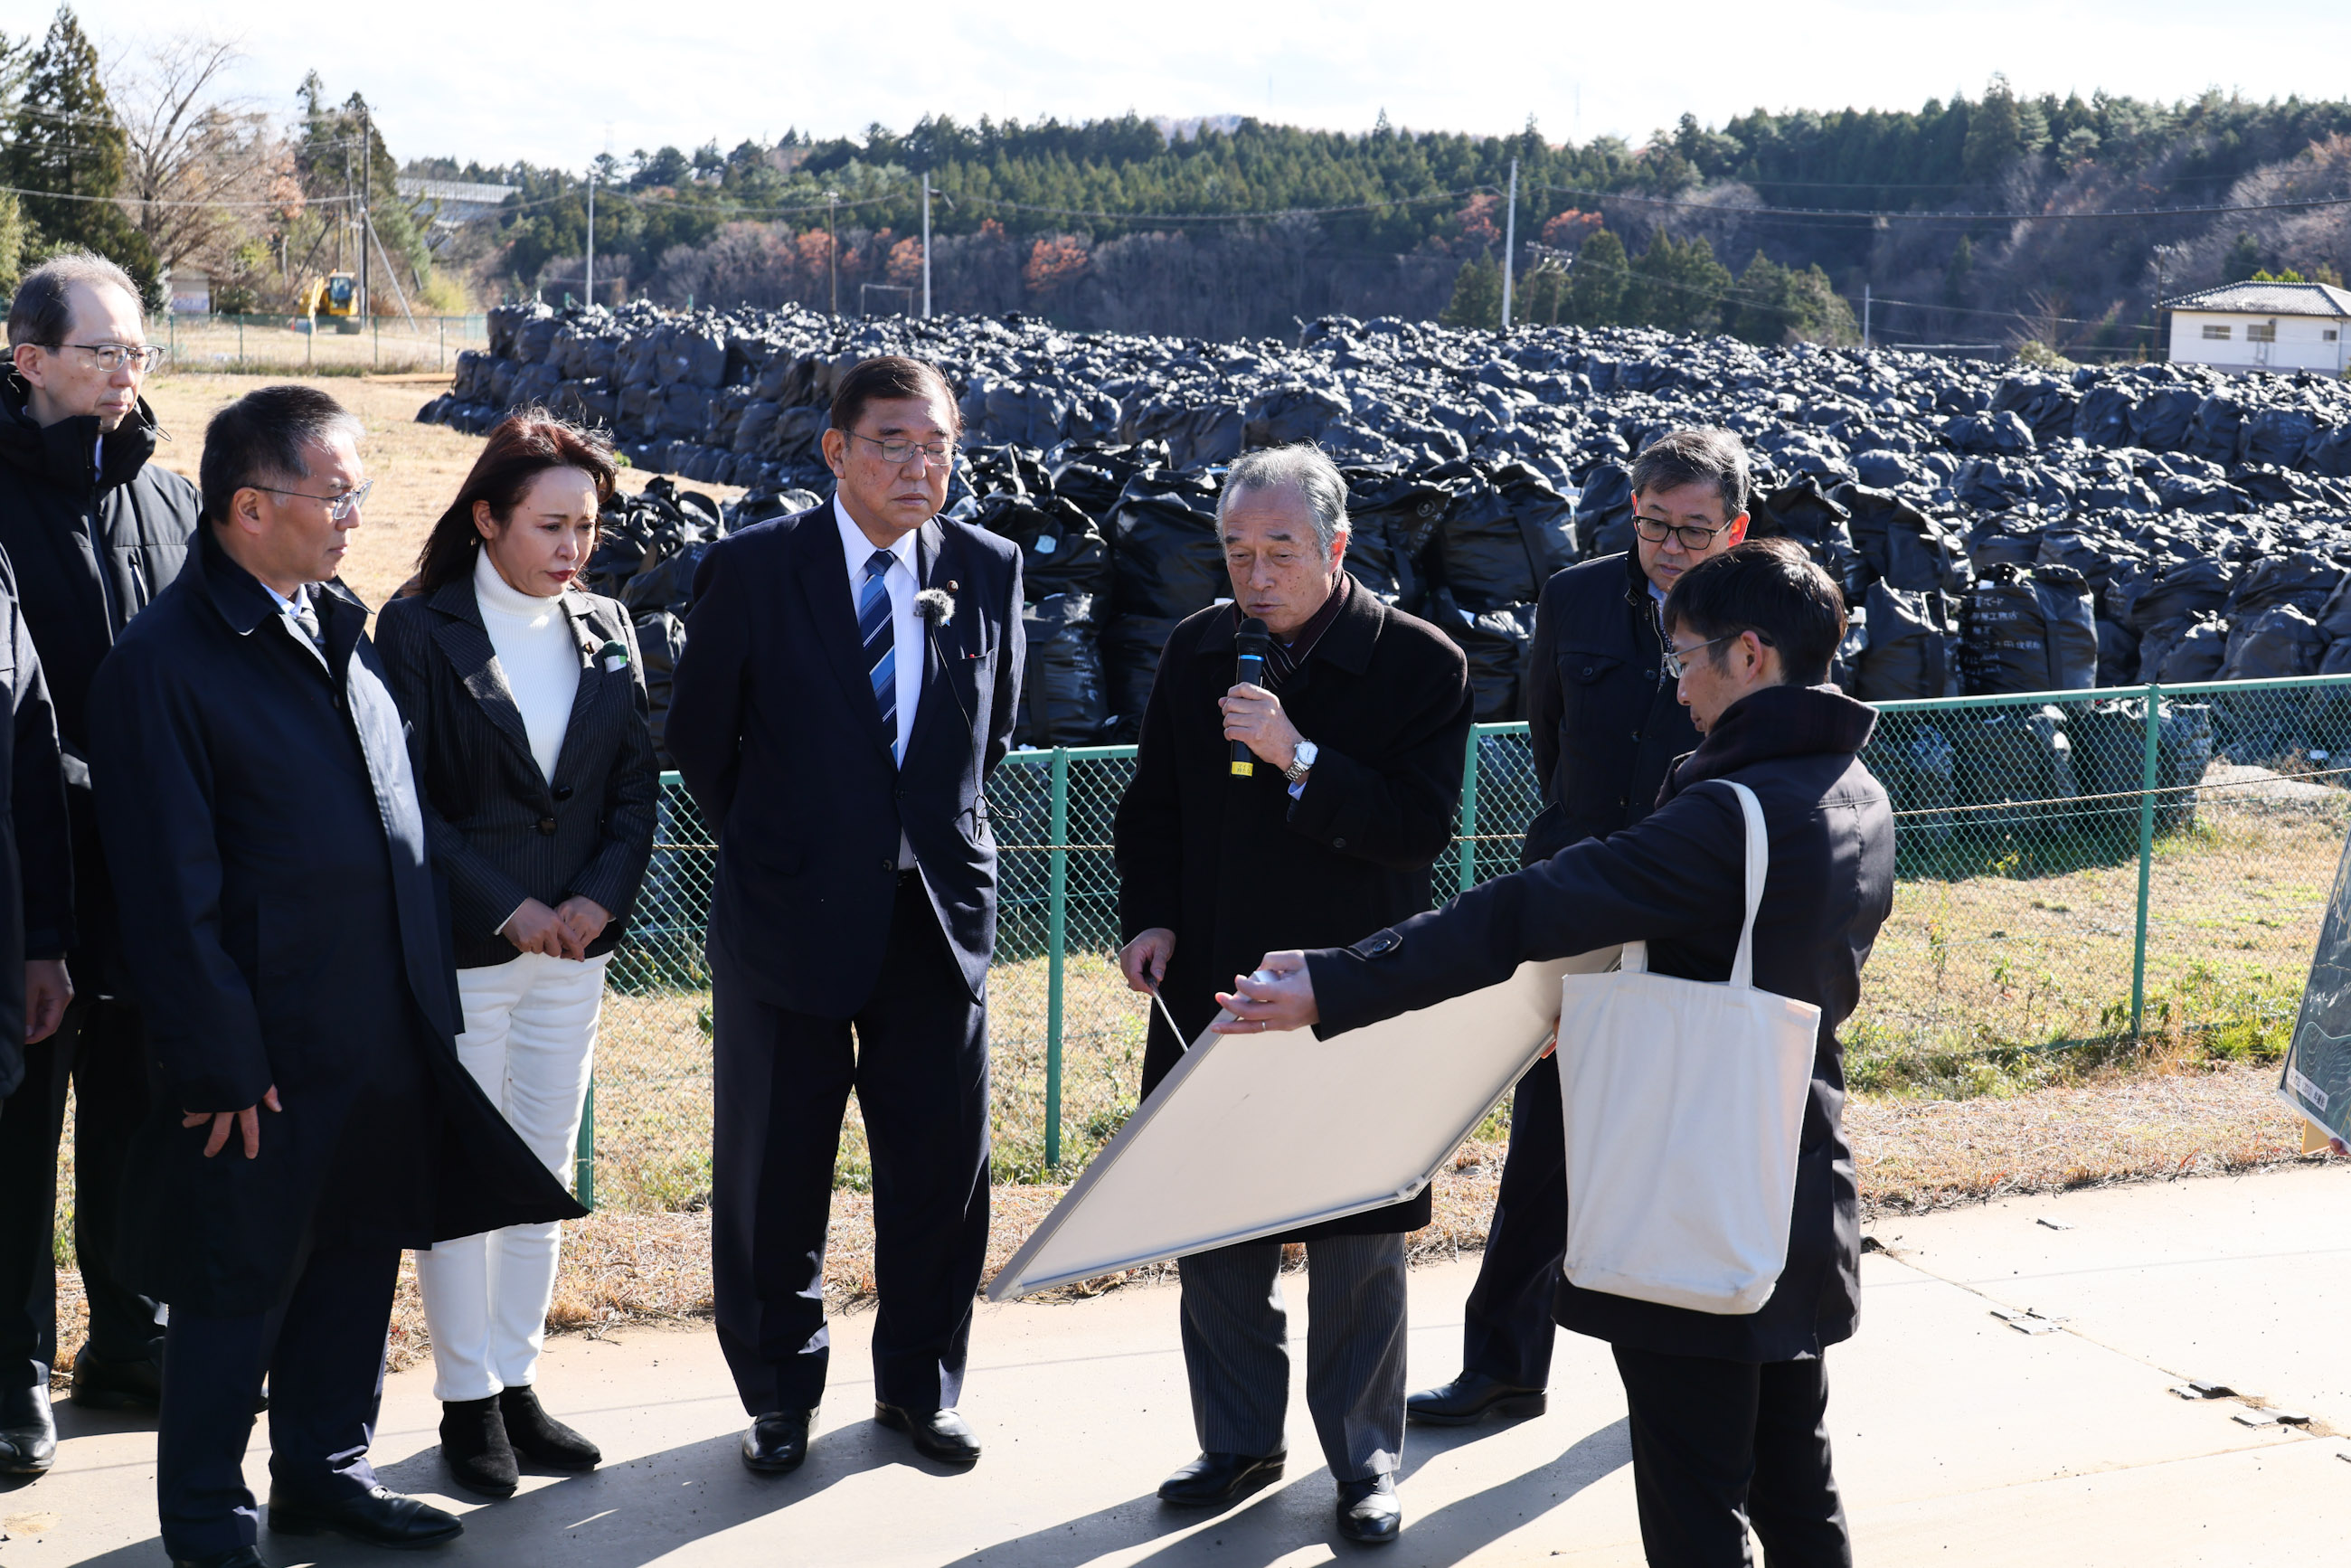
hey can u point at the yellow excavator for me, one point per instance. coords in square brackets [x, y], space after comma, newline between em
[336, 296]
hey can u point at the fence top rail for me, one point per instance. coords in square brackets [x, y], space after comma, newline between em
[2108, 694]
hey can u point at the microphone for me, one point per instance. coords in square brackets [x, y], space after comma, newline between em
[1252, 644]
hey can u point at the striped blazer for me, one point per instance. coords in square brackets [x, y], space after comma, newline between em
[501, 831]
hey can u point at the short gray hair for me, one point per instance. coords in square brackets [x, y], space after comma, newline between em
[42, 312]
[1303, 468]
[1682, 457]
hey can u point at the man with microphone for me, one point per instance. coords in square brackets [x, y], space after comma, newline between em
[1299, 805]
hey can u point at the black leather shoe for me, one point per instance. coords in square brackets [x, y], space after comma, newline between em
[380, 1518]
[778, 1441]
[235, 1557]
[1369, 1510]
[937, 1434]
[102, 1383]
[475, 1446]
[29, 1433]
[1471, 1399]
[540, 1437]
[1216, 1478]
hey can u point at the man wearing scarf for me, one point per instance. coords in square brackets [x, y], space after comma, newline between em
[1354, 734]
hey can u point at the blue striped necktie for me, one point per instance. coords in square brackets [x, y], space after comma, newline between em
[878, 627]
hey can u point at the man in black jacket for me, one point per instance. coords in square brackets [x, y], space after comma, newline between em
[35, 871]
[96, 530]
[1357, 727]
[1727, 1411]
[257, 792]
[1604, 725]
[850, 679]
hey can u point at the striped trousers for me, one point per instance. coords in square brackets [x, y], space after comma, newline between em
[1235, 1350]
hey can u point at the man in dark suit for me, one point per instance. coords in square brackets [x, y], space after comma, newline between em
[258, 798]
[1357, 729]
[36, 870]
[1605, 727]
[850, 678]
[97, 529]
[1728, 1410]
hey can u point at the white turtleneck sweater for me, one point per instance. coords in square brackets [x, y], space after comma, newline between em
[538, 654]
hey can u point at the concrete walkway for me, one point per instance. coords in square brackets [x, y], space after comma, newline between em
[1959, 1439]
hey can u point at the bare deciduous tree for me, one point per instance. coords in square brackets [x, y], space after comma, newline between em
[205, 171]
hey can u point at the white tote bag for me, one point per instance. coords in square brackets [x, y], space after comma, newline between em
[1683, 1104]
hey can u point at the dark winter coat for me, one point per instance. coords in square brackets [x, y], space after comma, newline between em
[36, 869]
[282, 924]
[1674, 880]
[1236, 868]
[94, 540]
[1603, 715]
[502, 830]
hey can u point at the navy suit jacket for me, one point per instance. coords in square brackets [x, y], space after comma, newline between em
[773, 725]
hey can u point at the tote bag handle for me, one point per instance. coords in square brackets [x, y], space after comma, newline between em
[1636, 959]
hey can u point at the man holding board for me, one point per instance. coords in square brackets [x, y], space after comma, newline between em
[1728, 1410]
[1304, 805]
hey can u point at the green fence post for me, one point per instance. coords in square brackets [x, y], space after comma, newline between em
[2146, 858]
[584, 1157]
[1469, 813]
[1057, 927]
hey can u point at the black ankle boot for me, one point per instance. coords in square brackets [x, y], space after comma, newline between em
[474, 1442]
[540, 1437]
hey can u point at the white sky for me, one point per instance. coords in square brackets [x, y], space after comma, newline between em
[543, 82]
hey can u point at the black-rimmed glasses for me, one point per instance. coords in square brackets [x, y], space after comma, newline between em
[1693, 536]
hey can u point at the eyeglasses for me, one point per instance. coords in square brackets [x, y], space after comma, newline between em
[1677, 659]
[1693, 538]
[899, 452]
[338, 508]
[112, 357]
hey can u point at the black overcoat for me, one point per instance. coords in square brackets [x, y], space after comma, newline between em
[502, 830]
[1236, 868]
[282, 926]
[36, 869]
[774, 726]
[1674, 880]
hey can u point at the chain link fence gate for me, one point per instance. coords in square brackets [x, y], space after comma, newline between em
[2074, 869]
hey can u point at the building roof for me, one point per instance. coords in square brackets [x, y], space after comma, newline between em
[2267, 300]
[455, 191]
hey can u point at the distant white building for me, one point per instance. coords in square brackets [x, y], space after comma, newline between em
[189, 287]
[2263, 327]
[453, 202]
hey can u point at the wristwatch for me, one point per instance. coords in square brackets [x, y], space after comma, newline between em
[1303, 762]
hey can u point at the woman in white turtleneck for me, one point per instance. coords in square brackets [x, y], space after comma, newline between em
[531, 714]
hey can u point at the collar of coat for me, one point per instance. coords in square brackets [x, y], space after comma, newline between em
[1774, 722]
[1348, 643]
[241, 601]
[60, 453]
[458, 599]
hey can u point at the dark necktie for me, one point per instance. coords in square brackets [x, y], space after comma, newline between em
[305, 616]
[878, 626]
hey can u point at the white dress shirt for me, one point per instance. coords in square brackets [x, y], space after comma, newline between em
[290, 610]
[907, 628]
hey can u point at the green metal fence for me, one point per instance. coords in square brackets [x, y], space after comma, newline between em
[282, 342]
[2074, 867]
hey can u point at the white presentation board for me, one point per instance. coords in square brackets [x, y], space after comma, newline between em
[1253, 1134]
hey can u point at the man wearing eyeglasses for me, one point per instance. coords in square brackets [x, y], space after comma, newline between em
[1606, 726]
[96, 531]
[850, 681]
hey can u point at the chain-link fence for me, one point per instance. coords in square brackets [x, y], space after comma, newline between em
[2074, 868]
[292, 343]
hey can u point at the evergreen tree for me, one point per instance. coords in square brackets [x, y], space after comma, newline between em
[65, 143]
[1596, 288]
[1959, 272]
[1678, 285]
[2243, 260]
[1779, 304]
[1476, 295]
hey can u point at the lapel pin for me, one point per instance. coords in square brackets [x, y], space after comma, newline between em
[615, 657]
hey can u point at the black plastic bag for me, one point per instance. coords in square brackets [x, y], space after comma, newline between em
[2030, 632]
[1495, 641]
[1913, 649]
[1603, 512]
[1166, 560]
[2302, 578]
[2274, 643]
[661, 638]
[2178, 592]
[1130, 655]
[1063, 698]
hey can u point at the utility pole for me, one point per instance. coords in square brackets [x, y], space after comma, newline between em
[926, 245]
[1864, 317]
[590, 279]
[1509, 244]
[367, 218]
[832, 249]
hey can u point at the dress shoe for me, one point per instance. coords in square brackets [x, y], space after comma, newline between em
[937, 1434]
[102, 1383]
[474, 1445]
[29, 1433]
[1369, 1510]
[540, 1437]
[1471, 1399]
[380, 1517]
[1213, 1480]
[235, 1557]
[778, 1441]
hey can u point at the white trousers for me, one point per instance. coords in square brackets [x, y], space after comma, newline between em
[529, 1042]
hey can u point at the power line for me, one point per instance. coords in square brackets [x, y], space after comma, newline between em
[1877, 215]
[143, 201]
[1216, 217]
